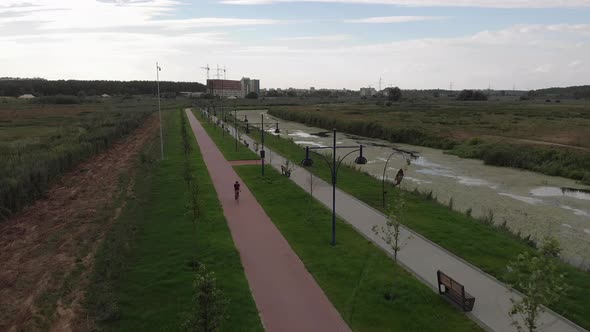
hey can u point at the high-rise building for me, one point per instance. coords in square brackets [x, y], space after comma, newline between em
[250, 85]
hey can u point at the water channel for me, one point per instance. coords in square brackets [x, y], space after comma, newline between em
[529, 202]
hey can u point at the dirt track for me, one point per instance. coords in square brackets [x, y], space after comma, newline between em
[47, 251]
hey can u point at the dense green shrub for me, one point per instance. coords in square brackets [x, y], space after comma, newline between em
[547, 160]
[470, 95]
[366, 128]
[28, 167]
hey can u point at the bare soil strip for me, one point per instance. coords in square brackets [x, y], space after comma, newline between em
[47, 250]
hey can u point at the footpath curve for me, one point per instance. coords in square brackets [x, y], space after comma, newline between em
[423, 257]
[286, 295]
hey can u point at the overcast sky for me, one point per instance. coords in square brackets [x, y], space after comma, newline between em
[302, 43]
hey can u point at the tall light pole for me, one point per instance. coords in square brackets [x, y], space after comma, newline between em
[262, 140]
[262, 133]
[334, 166]
[236, 126]
[160, 110]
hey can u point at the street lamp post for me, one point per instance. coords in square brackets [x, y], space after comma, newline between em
[236, 126]
[360, 160]
[160, 111]
[262, 140]
[262, 133]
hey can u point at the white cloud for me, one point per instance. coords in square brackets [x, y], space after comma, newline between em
[93, 14]
[528, 56]
[575, 63]
[318, 38]
[396, 19]
[87, 39]
[438, 3]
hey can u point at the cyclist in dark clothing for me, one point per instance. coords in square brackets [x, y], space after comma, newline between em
[237, 190]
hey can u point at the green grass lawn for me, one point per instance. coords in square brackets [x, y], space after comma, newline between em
[226, 142]
[486, 247]
[354, 274]
[143, 278]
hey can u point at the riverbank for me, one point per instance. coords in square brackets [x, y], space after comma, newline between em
[466, 130]
[482, 243]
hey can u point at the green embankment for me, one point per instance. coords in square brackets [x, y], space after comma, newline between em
[484, 245]
[355, 274]
[227, 143]
[143, 276]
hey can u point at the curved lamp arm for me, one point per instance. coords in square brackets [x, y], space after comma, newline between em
[324, 158]
[342, 159]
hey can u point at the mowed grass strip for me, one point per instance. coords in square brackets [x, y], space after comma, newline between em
[226, 142]
[487, 247]
[144, 271]
[355, 274]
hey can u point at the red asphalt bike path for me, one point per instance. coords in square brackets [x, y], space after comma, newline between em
[286, 295]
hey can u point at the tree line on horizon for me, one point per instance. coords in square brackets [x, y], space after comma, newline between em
[41, 87]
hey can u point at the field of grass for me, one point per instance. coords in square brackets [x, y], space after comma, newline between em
[494, 131]
[485, 245]
[355, 274]
[144, 272]
[227, 143]
[40, 142]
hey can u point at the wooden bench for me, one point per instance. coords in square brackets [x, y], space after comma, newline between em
[454, 291]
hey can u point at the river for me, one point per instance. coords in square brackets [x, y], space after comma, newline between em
[528, 202]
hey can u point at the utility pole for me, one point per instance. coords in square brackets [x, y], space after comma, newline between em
[262, 140]
[160, 110]
[236, 126]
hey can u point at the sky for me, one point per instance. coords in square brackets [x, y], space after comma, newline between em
[413, 44]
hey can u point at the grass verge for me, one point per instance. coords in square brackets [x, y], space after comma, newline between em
[355, 274]
[143, 273]
[484, 245]
[226, 142]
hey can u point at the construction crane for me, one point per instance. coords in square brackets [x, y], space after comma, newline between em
[207, 69]
[217, 72]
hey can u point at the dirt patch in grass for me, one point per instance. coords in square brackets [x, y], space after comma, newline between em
[47, 250]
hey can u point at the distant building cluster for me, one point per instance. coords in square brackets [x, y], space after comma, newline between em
[233, 89]
[367, 92]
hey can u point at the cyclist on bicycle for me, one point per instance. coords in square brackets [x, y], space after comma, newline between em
[237, 189]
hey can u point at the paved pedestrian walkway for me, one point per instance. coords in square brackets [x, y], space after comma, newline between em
[286, 295]
[422, 257]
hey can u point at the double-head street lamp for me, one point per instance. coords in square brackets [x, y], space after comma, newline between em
[400, 173]
[334, 166]
[262, 131]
